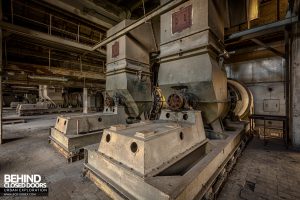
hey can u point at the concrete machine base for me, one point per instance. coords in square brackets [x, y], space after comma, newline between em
[33, 109]
[72, 133]
[170, 160]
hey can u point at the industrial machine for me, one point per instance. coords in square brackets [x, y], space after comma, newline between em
[24, 99]
[187, 153]
[127, 96]
[52, 100]
[60, 100]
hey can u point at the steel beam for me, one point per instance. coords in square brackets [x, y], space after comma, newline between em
[77, 12]
[49, 39]
[1, 72]
[261, 30]
[101, 11]
[16, 66]
[260, 43]
[73, 84]
[159, 11]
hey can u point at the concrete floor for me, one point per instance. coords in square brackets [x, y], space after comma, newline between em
[27, 151]
[269, 172]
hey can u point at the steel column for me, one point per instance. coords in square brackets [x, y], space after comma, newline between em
[1, 72]
[85, 100]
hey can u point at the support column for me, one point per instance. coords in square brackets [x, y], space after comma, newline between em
[1, 72]
[85, 100]
[295, 76]
[295, 87]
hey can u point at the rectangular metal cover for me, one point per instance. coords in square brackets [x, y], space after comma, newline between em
[271, 105]
[182, 19]
[115, 49]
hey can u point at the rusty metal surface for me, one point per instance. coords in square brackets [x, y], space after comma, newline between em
[182, 19]
[176, 101]
[128, 72]
[115, 49]
[182, 52]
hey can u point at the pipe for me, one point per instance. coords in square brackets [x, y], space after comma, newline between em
[49, 78]
[1, 71]
[262, 29]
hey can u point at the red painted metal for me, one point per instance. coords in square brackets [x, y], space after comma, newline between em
[182, 19]
[115, 49]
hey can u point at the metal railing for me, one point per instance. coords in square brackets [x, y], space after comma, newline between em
[53, 26]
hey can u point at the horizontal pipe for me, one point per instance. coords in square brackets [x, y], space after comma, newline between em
[274, 26]
[49, 78]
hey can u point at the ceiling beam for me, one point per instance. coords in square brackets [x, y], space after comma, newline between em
[49, 39]
[261, 30]
[260, 43]
[17, 80]
[57, 71]
[78, 12]
[101, 11]
[258, 53]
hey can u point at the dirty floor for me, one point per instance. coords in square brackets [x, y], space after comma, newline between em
[26, 151]
[262, 172]
[268, 172]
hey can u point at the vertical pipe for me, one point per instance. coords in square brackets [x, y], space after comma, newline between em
[49, 59]
[287, 82]
[5, 53]
[103, 67]
[11, 10]
[144, 7]
[77, 126]
[278, 9]
[264, 132]
[1, 71]
[50, 24]
[78, 33]
[80, 63]
[85, 100]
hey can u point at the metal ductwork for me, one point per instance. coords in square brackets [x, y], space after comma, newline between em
[139, 161]
[128, 68]
[191, 40]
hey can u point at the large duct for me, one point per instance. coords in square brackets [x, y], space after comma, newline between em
[190, 73]
[139, 161]
[128, 68]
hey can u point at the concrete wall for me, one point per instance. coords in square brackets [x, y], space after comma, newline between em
[265, 78]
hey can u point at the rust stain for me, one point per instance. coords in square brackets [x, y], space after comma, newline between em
[182, 19]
